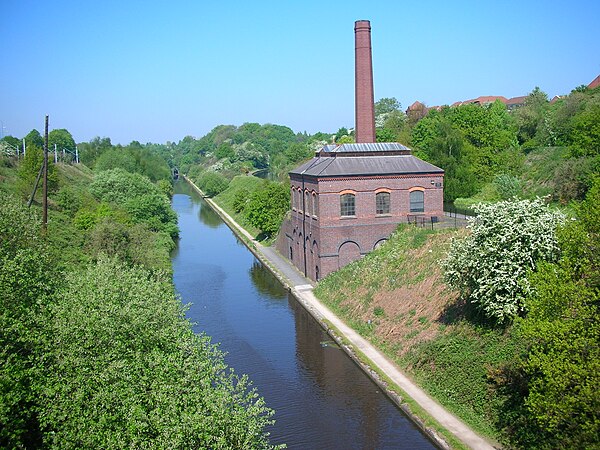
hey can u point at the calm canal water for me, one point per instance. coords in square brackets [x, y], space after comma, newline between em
[321, 398]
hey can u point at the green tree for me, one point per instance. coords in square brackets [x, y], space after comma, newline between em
[341, 133]
[585, 134]
[268, 206]
[62, 139]
[115, 159]
[13, 145]
[225, 150]
[530, 119]
[489, 267]
[386, 105]
[28, 171]
[34, 139]
[212, 183]
[126, 370]
[385, 135]
[90, 151]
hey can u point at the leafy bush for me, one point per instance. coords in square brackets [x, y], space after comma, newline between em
[240, 199]
[268, 206]
[118, 186]
[212, 183]
[143, 200]
[125, 370]
[489, 267]
[27, 283]
[29, 169]
[507, 186]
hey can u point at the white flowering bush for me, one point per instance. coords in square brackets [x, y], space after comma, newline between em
[489, 267]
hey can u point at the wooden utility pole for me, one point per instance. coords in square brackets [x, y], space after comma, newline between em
[45, 185]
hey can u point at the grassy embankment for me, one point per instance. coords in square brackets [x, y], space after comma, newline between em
[396, 298]
[226, 199]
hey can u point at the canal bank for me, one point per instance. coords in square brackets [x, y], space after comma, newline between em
[374, 363]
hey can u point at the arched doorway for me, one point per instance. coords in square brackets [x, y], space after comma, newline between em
[349, 251]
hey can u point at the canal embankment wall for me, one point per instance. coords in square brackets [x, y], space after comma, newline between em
[374, 363]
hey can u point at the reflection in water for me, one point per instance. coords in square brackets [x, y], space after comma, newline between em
[320, 397]
[265, 282]
[209, 217]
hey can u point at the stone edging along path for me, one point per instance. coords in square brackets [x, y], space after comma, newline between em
[353, 344]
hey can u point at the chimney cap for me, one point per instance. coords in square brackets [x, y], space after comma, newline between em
[362, 24]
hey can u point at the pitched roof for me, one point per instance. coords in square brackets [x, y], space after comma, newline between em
[368, 148]
[595, 83]
[364, 159]
[516, 100]
[484, 99]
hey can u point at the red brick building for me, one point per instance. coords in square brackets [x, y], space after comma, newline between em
[349, 199]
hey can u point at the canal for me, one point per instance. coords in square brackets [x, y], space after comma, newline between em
[321, 398]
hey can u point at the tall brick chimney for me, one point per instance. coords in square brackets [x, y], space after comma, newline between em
[364, 131]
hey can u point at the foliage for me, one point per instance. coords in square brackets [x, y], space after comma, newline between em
[387, 105]
[507, 240]
[89, 152]
[28, 171]
[118, 186]
[154, 210]
[27, 283]
[585, 134]
[115, 159]
[454, 368]
[166, 187]
[507, 186]
[34, 139]
[558, 404]
[240, 200]
[268, 206]
[62, 139]
[126, 370]
[530, 119]
[143, 201]
[212, 183]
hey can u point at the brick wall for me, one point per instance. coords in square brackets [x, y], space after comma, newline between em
[333, 241]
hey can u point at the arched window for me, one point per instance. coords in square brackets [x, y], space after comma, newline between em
[315, 204]
[293, 198]
[307, 207]
[417, 201]
[382, 203]
[347, 207]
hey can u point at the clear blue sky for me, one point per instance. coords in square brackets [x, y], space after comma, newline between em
[156, 71]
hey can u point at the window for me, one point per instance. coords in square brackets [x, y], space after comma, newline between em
[315, 205]
[307, 203]
[293, 198]
[417, 202]
[382, 203]
[347, 205]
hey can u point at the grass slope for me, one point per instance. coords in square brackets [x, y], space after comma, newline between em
[226, 198]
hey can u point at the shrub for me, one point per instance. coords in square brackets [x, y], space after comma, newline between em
[118, 186]
[489, 267]
[240, 199]
[212, 183]
[268, 206]
[125, 370]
